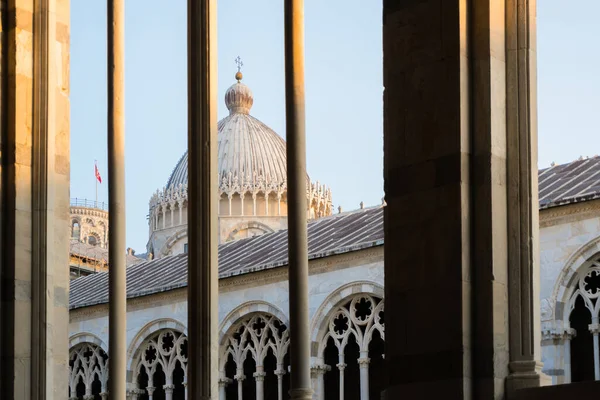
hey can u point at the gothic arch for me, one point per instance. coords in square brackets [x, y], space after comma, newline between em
[566, 281]
[166, 248]
[247, 308]
[88, 367]
[86, 337]
[320, 322]
[147, 331]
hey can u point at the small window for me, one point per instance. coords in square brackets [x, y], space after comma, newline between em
[92, 240]
[185, 248]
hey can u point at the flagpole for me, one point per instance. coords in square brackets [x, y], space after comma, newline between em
[96, 179]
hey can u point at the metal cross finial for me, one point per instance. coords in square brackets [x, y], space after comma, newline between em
[239, 63]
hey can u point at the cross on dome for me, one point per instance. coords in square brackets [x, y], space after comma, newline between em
[240, 64]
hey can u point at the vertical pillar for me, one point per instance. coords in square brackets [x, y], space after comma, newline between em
[259, 377]
[202, 193]
[242, 195]
[150, 390]
[319, 384]
[568, 336]
[280, 372]
[254, 204]
[341, 365]
[595, 330]
[34, 198]
[164, 216]
[223, 382]
[523, 204]
[363, 363]
[448, 112]
[180, 213]
[266, 203]
[117, 322]
[239, 377]
[296, 177]
[169, 388]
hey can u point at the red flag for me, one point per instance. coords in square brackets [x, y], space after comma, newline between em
[97, 173]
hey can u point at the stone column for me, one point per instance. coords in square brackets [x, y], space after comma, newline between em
[296, 177]
[280, 372]
[150, 390]
[240, 377]
[363, 363]
[117, 315]
[104, 395]
[266, 203]
[259, 377]
[568, 336]
[229, 197]
[223, 382]
[253, 203]
[319, 386]
[595, 330]
[341, 365]
[164, 216]
[203, 319]
[34, 199]
[448, 121]
[169, 388]
[180, 213]
[523, 205]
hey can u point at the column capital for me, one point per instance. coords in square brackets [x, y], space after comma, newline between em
[88, 397]
[150, 389]
[259, 376]
[594, 328]
[239, 377]
[341, 366]
[104, 395]
[169, 388]
[280, 372]
[223, 382]
[364, 362]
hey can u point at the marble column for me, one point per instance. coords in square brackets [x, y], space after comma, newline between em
[266, 203]
[242, 195]
[319, 386]
[280, 372]
[223, 382]
[341, 365]
[203, 319]
[253, 203]
[594, 328]
[150, 390]
[296, 177]
[169, 388]
[455, 206]
[568, 336]
[363, 363]
[240, 377]
[117, 314]
[259, 377]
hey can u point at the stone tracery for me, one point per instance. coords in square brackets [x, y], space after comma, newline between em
[88, 372]
[160, 367]
[582, 326]
[353, 327]
[262, 339]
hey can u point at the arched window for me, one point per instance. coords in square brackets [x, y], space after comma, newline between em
[254, 356]
[584, 326]
[160, 367]
[75, 230]
[88, 373]
[352, 351]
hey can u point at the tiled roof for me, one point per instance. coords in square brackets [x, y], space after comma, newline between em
[327, 236]
[569, 183]
[340, 233]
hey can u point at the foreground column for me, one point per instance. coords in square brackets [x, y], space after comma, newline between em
[202, 191]
[117, 322]
[447, 151]
[297, 204]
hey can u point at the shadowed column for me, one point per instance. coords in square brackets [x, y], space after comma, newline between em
[297, 204]
[202, 191]
[117, 315]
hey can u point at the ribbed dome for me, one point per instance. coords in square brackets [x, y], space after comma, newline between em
[247, 148]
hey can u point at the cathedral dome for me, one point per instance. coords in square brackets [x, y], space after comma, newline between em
[248, 150]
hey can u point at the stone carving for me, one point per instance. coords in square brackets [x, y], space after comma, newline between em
[163, 352]
[88, 364]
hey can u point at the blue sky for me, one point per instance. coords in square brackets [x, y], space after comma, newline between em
[344, 90]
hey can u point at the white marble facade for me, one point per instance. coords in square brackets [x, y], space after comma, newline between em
[569, 247]
[334, 282]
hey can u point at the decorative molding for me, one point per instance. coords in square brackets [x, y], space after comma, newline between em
[556, 215]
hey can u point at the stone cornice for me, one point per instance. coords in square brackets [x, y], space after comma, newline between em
[569, 213]
[319, 266]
